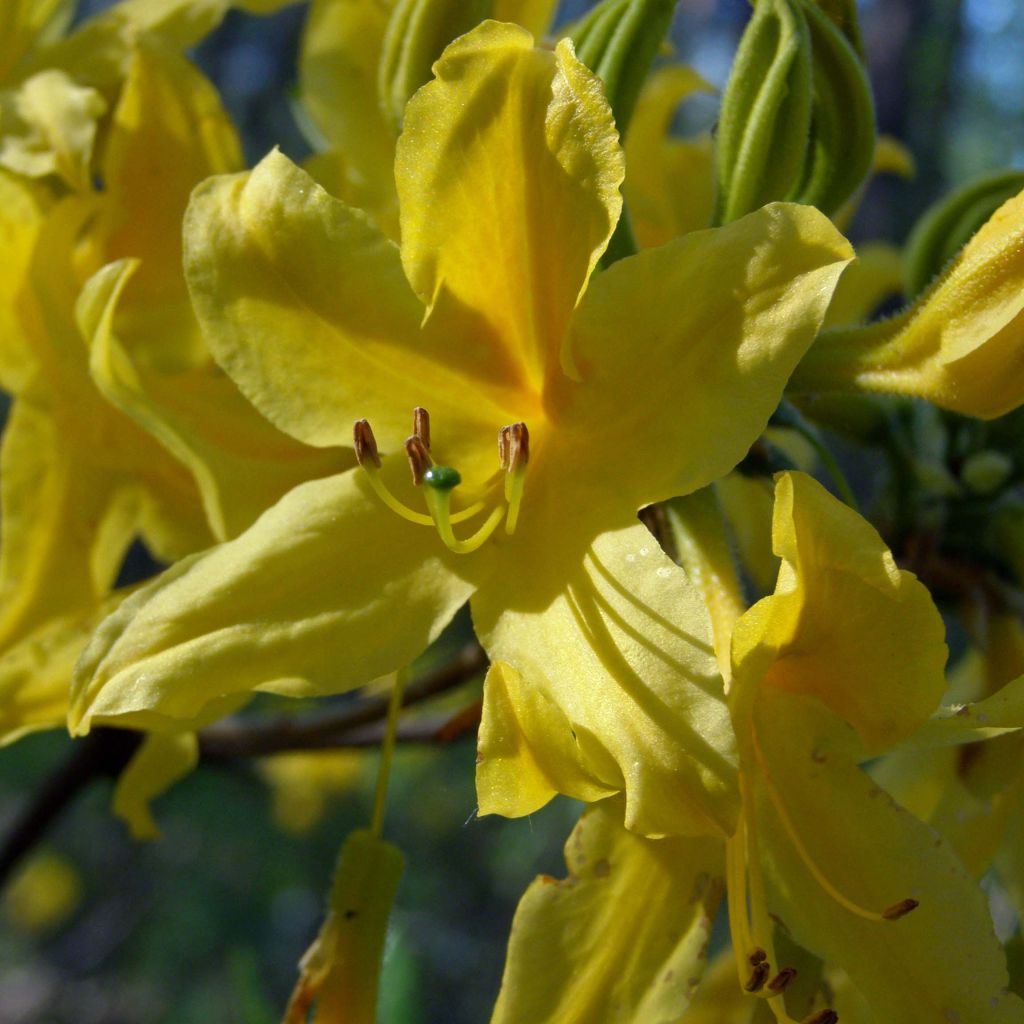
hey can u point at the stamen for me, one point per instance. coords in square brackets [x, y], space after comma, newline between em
[901, 909]
[419, 458]
[440, 481]
[757, 957]
[421, 425]
[822, 1017]
[514, 452]
[369, 459]
[779, 804]
[781, 981]
[758, 976]
[365, 444]
[503, 446]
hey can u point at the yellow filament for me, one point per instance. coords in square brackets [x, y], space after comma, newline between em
[736, 883]
[439, 501]
[761, 925]
[412, 515]
[514, 496]
[805, 855]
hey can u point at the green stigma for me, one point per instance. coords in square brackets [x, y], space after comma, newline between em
[442, 478]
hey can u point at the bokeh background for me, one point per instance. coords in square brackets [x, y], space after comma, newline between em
[207, 924]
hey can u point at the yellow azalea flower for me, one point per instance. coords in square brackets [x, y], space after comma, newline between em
[959, 345]
[54, 87]
[340, 82]
[79, 479]
[604, 679]
[821, 850]
[823, 863]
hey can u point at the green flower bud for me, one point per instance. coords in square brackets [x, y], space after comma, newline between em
[765, 121]
[948, 225]
[842, 140]
[618, 40]
[797, 119]
[418, 30]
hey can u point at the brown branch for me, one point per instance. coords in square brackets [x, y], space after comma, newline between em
[242, 738]
[102, 754]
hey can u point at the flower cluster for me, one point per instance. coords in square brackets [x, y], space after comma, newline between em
[448, 361]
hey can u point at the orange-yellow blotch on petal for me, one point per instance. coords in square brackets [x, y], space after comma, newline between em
[508, 174]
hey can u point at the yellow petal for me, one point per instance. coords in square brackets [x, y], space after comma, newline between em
[508, 172]
[623, 938]
[169, 132]
[876, 275]
[669, 182]
[747, 505]
[327, 591]
[715, 322]
[613, 688]
[341, 969]
[961, 345]
[720, 1000]
[157, 765]
[54, 123]
[241, 464]
[697, 529]
[35, 672]
[305, 305]
[878, 665]
[941, 962]
[23, 23]
[21, 218]
[341, 49]
[64, 533]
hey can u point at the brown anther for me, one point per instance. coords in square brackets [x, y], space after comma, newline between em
[518, 446]
[419, 458]
[758, 956]
[503, 446]
[421, 425]
[365, 443]
[822, 1017]
[898, 910]
[758, 976]
[781, 980]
